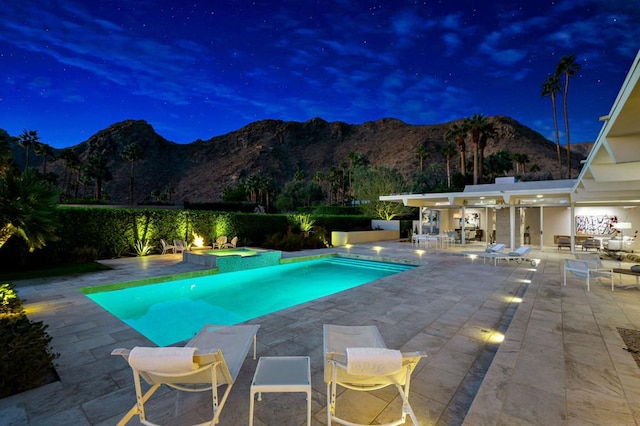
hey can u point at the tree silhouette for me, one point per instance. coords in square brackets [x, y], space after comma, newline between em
[132, 153]
[422, 154]
[568, 68]
[448, 150]
[98, 170]
[550, 88]
[27, 139]
[458, 133]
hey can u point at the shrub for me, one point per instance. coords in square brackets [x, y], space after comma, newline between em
[26, 359]
[10, 303]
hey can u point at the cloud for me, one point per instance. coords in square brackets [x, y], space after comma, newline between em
[452, 42]
[106, 50]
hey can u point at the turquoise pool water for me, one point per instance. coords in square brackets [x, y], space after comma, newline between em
[173, 311]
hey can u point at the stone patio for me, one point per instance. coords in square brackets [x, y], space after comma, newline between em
[507, 345]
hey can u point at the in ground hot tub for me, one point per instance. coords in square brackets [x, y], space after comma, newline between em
[233, 259]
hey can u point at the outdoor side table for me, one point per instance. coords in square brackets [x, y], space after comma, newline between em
[281, 374]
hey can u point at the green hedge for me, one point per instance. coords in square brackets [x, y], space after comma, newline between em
[90, 233]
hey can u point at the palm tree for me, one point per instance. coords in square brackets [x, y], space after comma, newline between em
[550, 88]
[448, 151]
[71, 161]
[458, 133]
[569, 68]
[521, 159]
[318, 178]
[422, 154]
[97, 170]
[133, 154]
[6, 156]
[46, 152]
[27, 207]
[28, 138]
[298, 175]
[488, 132]
[476, 126]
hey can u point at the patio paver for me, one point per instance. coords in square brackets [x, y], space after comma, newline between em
[561, 361]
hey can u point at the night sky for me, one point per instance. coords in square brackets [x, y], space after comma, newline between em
[195, 70]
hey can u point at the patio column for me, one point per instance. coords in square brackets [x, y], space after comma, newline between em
[541, 228]
[462, 223]
[486, 226]
[573, 227]
[512, 227]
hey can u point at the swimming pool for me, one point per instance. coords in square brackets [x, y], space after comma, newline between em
[173, 311]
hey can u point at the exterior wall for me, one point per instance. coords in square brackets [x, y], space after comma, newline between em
[341, 238]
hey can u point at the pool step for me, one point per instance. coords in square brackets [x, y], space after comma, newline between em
[380, 266]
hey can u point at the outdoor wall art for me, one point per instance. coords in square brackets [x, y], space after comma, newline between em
[596, 225]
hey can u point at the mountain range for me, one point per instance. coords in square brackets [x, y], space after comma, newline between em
[199, 171]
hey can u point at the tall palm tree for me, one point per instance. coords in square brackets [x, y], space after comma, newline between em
[28, 138]
[422, 154]
[448, 150]
[476, 126]
[488, 132]
[72, 163]
[27, 207]
[568, 68]
[458, 134]
[131, 153]
[98, 170]
[521, 159]
[550, 88]
[318, 178]
[46, 152]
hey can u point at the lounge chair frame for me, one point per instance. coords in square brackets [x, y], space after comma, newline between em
[519, 255]
[213, 370]
[335, 370]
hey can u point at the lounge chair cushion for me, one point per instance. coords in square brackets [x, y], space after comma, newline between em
[170, 360]
[373, 361]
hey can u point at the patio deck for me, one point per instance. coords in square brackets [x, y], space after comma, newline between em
[562, 360]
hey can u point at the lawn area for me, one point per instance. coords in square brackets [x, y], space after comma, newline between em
[71, 269]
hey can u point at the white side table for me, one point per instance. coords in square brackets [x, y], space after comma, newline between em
[281, 374]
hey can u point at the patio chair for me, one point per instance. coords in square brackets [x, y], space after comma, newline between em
[355, 357]
[220, 242]
[211, 359]
[232, 244]
[595, 262]
[181, 246]
[582, 269]
[166, 246]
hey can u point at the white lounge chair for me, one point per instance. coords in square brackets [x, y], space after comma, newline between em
[344, 346]
[519, 255]
[486, 253]
[166, 246]
[211, 359]
[582, 269]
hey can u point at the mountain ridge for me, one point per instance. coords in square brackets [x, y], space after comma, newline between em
[200, 170]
